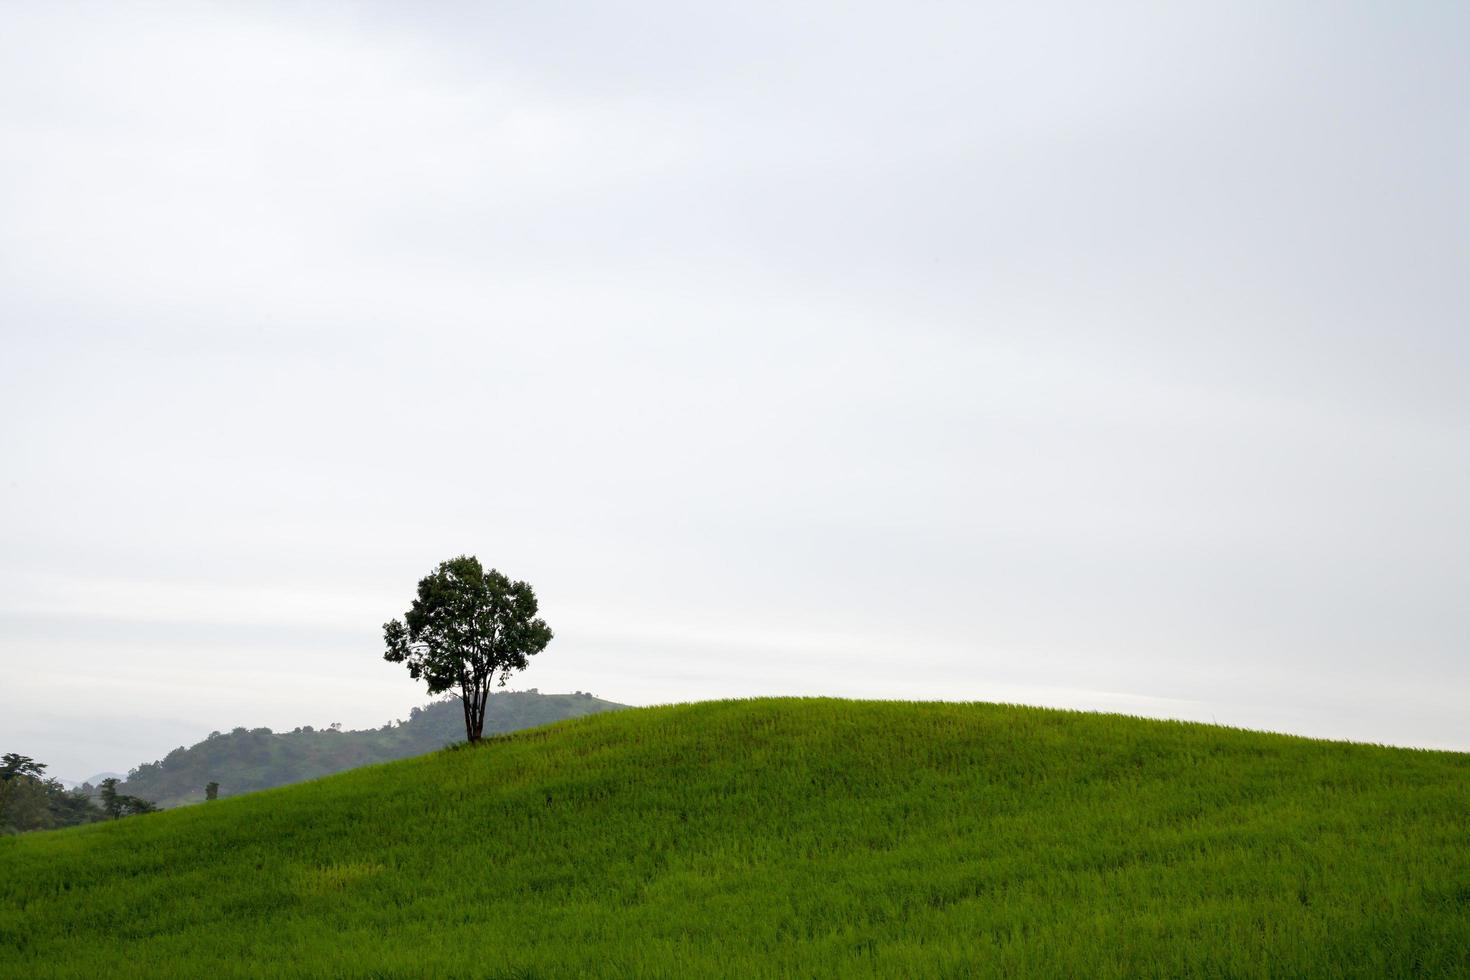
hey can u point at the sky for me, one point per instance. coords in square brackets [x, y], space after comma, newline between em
[1110, 356]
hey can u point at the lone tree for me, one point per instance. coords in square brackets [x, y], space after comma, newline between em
[467, 630]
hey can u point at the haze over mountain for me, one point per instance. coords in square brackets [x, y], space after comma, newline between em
[93, 780]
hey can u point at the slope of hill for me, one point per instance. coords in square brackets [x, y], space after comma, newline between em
[786, 837]
[246, 760]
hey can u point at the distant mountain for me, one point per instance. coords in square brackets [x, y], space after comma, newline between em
[97, 779]
[245, 760]
[91, 780]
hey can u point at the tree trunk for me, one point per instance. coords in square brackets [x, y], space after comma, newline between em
[473, 701]
[479, 715]
[471, 733]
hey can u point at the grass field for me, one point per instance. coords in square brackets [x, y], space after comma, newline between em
[785, 838]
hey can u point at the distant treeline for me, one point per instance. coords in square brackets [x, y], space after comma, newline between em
[249, 759]
[30, 800]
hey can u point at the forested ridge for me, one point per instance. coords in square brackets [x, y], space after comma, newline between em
[249, 759]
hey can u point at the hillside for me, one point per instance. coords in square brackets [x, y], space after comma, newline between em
[246, 760]
[785, 837]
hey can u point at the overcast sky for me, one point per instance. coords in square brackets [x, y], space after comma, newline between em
[1096, 355]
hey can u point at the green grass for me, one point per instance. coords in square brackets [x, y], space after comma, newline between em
[246, 761]
[785, 838]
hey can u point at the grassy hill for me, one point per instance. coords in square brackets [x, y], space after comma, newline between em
[786, 838]
[249, 759]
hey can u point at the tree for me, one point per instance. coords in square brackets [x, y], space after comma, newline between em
[13, 765]
[466, 631]
[211, 790]
[70, 807]
[22, 792]
[116, 804]
[31, 801]
[112, 800]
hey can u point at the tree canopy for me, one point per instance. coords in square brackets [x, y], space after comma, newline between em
[467, 630]
[116, 804]
[13, 765]
[29, 800]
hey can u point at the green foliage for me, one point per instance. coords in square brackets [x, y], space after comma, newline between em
[466, 630]
[117, 805]
[13, 765]
[809, 838]
[30, 801]
[244, 761]
[211, 790]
